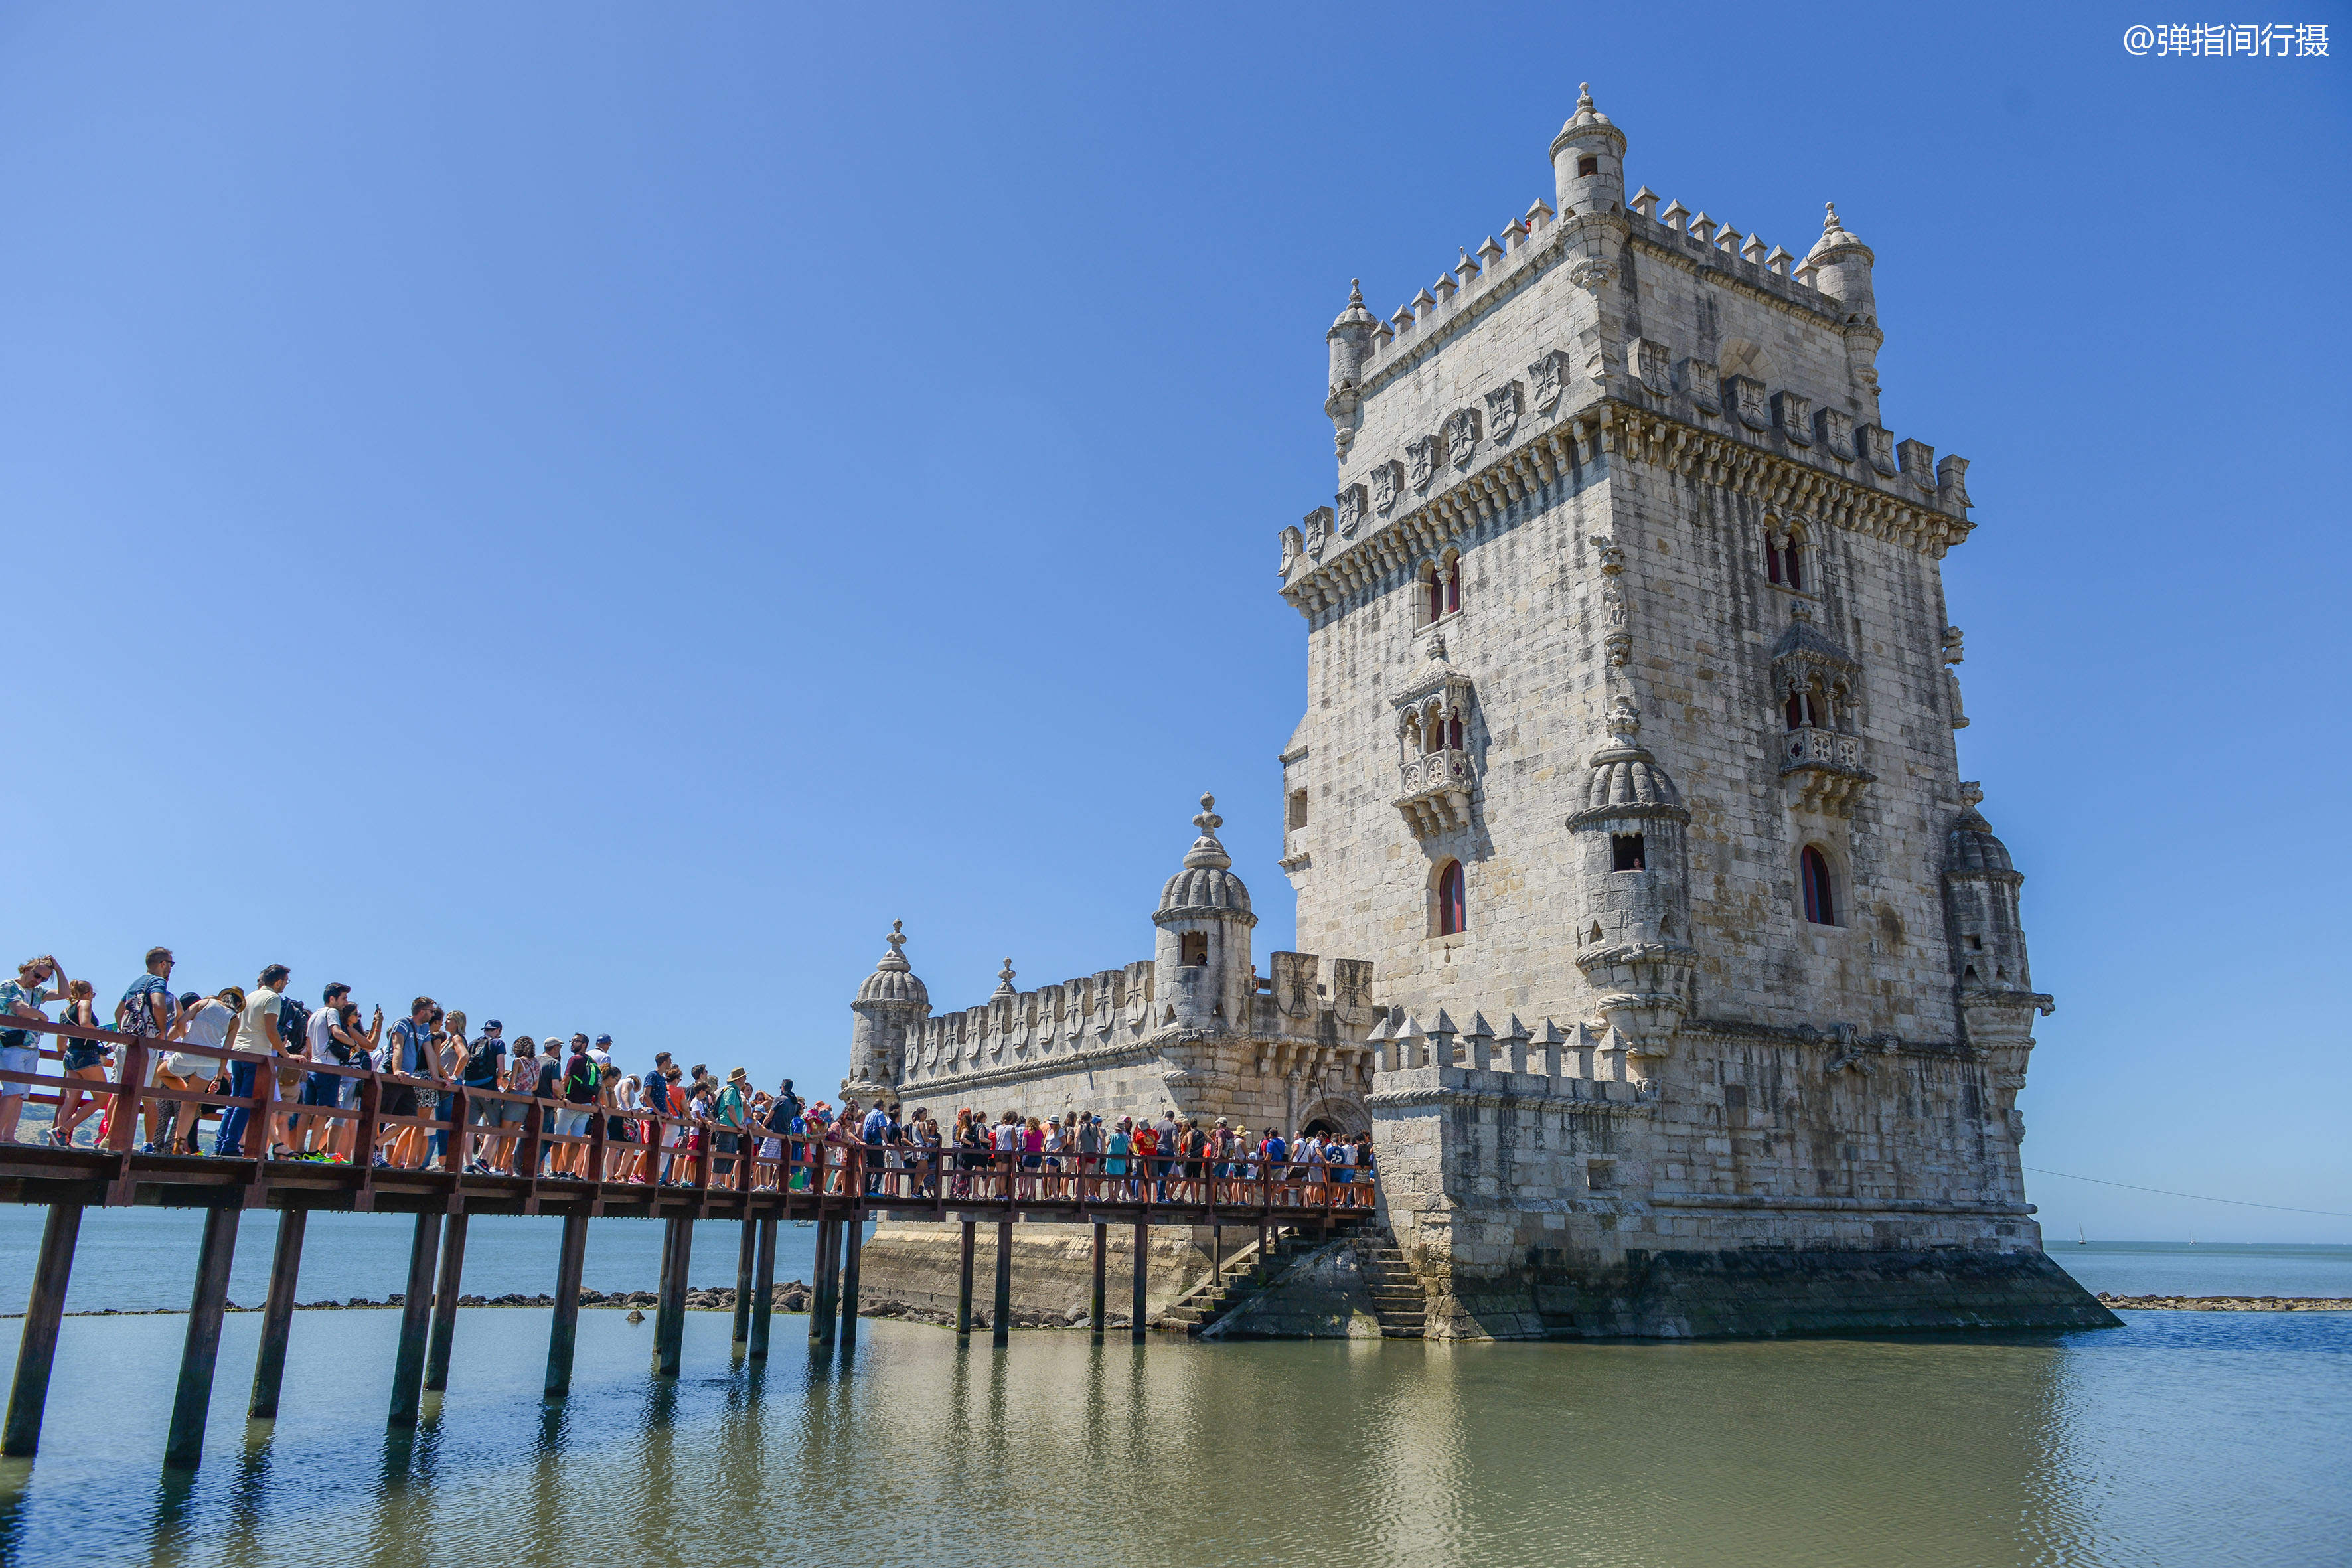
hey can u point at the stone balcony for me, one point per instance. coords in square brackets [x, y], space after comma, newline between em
[1825, 768]
[1435, 789]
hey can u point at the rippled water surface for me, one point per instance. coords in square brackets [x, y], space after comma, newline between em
[2183, 1437]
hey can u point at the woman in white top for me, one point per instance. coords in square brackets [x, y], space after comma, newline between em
[210, 1024]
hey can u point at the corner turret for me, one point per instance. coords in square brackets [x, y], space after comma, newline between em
[1350, 339]
[890, 1004]
[1841, 265]
[1995, 988]
[1587, 161]
[1632, 938]
[1204, 976]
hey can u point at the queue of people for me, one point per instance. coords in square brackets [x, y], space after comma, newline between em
[660, 1126]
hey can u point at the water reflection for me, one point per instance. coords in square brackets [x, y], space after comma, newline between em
[906, 1448]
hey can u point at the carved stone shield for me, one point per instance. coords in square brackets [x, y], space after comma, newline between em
[1503, 411]
[1835, 428]
[1350, 509]
[1385, 480]
[1549, 376]
[1318, 527]
[1461, 435]
[1421, 460]
[1877, 447]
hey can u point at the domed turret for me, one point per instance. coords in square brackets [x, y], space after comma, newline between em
[1350, 341]
[1634, 937]
[890, 1003]
[1992, 981]
[1841, 265]
[1201, 966]
[1588, 160]
[1980, 904]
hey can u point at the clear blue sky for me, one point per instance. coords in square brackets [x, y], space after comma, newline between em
[591, 513]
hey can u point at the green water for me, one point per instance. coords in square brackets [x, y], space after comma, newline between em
[2183, 1437]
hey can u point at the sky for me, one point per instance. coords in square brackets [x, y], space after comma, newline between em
[591, 513]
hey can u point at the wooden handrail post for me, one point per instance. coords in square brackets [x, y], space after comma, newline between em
[453, 1146]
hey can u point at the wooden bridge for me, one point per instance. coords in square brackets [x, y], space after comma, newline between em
[836, 1184]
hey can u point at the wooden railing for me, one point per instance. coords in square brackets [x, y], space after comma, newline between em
[831, 1167]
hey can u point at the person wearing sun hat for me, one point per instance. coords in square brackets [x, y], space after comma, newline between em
[731, 1114]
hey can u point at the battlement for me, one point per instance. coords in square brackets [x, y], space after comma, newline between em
[1581, 1064]
[1108, 1010]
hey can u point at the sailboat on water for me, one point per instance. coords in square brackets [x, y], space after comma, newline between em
[2082, 1239]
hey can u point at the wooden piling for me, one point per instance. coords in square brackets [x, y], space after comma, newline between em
[669, 1321]
[1000, 1327]
[853, 1240]
[415, 1317]
[38, 1350]
[1136, 1326]
[963, 1289]
[820, 1287]
[563, 1335]
[183, 1445]
[746, 1261]
[763, 1289]
[1095, 1316]
[445, 1301]
[278, 1314]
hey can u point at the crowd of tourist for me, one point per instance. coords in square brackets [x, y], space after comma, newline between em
[658, 1126]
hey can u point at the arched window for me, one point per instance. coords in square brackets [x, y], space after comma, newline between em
[1453, 587]
[1454, 733]
[1784, 559]
[1821, 906]
[1795, 710]
[1452, 912]
[1436, 588]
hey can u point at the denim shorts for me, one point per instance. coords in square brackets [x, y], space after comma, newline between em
[321, 1089]
[19, 1058]
[482, 1112]
[571, 1121]
[514, 1113]
[81, 1055]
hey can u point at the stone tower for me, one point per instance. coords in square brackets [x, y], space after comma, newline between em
[1687, 991]
[1627, 705]
[1201, 959]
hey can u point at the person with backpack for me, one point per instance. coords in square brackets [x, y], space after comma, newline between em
[312, 1135]
[409, 1053]
[580, 1079]
[483, 1073]
[731, 1114]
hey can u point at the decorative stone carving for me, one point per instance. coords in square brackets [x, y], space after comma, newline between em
[1420, 461]
[1701, 383]
[1877, 447]
[1435, 779]
[1834, 426]
[1954, 652]
[1794, 417]
[1461, 432]
[1917, 461]
[1744, 395]
[1387, 478]
[1653, 367]
[1549, 376]
[1317, 524]
[1952, 480]
[1617, 635]
[1503, 411]
[1350, 509]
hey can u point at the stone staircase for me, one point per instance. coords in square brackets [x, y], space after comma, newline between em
[1245, 1272]
[1397, 1297]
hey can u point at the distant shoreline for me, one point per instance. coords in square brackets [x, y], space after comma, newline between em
[2225, 1303]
